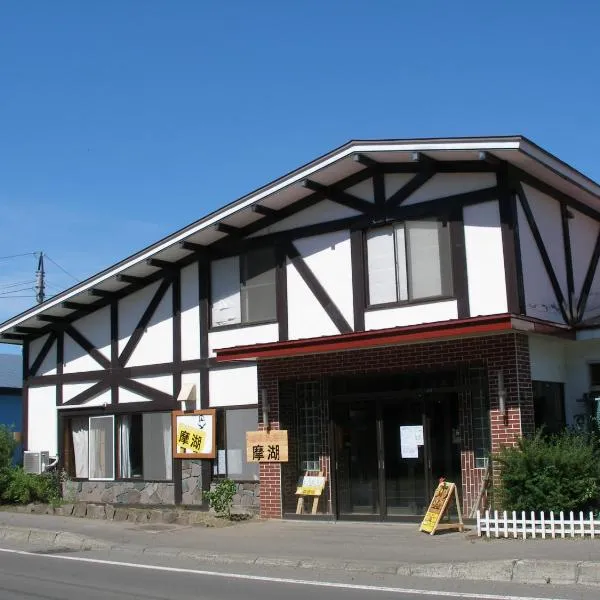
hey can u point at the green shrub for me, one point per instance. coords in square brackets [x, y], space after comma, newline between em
[7, 447]
[18, 487]
[550, 473]
[220, 498]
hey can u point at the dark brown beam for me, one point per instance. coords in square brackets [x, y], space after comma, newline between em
[88, 394]
[366, 161]
[339, 196]
[13, 336]
[147, 391]
[28, 330]
[100, 293]
[589, 279]
[161, 264]
[77, 306]
[130, 279]
[490, 159]
[264, 210]
[409, 188]
[229, 229]
[50, 319]
[88, 346]
[37, 363]
[199, 248]
[423, 159]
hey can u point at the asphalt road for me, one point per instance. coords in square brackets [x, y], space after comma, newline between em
[27, 575]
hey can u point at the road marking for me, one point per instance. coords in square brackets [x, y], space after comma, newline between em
[282, 580]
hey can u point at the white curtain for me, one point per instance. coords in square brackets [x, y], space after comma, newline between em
[125, 455]
[80, 434]
[381, 266]
[158, 460]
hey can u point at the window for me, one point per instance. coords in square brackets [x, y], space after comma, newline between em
[144, 447]
[101, 448]
[232, 426]
[548, 406]
[243, 288]
[408, 261]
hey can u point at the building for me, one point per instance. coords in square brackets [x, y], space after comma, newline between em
[11, 382]
[401, 308]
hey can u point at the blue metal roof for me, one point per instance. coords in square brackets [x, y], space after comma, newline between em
[11, 370]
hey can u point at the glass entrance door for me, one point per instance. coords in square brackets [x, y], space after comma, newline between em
[357, 464]
[390, 453]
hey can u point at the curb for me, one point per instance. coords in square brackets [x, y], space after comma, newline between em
[518, 570]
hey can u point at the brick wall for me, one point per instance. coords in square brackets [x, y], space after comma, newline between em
[506, 352]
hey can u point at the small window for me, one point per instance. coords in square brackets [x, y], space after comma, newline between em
[145, 447]
[243, 288]
[408, 261]
[595, 375]
[232, 426]
[101, 448]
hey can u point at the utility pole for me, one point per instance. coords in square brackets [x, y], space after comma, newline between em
[40, 280]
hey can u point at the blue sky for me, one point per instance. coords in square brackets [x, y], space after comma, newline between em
[121, 121]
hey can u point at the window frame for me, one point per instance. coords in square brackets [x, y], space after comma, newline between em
[222, 431]
[241, 258]
[116, 446]
[449, 263]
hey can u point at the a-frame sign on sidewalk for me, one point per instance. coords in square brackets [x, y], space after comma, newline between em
[440, 503]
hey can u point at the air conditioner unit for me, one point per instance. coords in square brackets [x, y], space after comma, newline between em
[35, 462]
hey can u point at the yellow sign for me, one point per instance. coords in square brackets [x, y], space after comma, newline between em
[267, 446]
[194, 433]
[440, 502]
[191, 438]
[310, 485]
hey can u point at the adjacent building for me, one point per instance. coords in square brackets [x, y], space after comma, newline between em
[11, 401]
[401, 308]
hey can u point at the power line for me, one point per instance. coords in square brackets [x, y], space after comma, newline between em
[63, 270]
[4, 286]
[9, 297]
[6, 293]
[17, 255]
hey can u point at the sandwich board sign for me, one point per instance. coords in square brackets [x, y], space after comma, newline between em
[438, 507]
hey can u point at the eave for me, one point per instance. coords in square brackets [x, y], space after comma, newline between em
[411, 334]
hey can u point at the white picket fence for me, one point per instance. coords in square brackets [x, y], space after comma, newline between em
[504, 524]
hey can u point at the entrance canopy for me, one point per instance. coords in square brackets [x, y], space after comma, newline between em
[474, 326]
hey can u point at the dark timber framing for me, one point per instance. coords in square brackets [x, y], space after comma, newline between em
[564, 216]
[359, 290]
[320, 293]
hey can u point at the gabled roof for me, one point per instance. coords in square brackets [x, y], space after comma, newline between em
[269, 203]
[11, 371]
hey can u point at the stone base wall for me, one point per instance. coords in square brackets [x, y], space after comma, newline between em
[247, 497]
[139, 492]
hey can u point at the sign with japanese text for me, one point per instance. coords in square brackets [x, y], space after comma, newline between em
[440, 503]
[310, 485]
[267, 446]
[194, 434]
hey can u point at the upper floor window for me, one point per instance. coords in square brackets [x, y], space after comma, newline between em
[243, 288]
[409, 261]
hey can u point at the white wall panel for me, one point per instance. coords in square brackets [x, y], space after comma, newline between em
[34, 348]
[127, 396]
[242, 336]
[76, 358]
[42, 420]
[411, 315]
[48, 366]
[163, 383]
[363, 190]
[131, 309]
[70, 390]
[540, 300]
[583, 233]
[319, 213]
[395, 181]
[190, 313]
[328, 257]
[485, 259]
[96, 328]
[447, 184]
[156, 345]
[546, 212]
[548, 359]
[230, 386]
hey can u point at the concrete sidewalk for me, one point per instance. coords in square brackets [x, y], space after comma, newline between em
[375, 548]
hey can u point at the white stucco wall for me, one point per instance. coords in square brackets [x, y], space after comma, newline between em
[328, 257]
[415, 314]
[448, 184]
[42, 420]
[96, 328]
[242, 336]
[48, 366]
[233, 385]
[190, 313]
[485, 259]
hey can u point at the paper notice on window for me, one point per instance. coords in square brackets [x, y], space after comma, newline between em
[411, 437]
